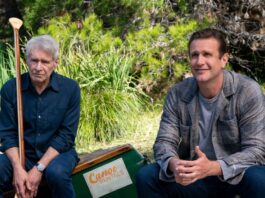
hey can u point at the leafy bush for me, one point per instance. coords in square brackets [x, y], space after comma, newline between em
[161, 54]
[90, 36]
[116, 14]
[110, 97]
[39, 12]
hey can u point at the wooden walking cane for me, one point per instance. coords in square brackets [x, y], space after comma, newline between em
[16, 24]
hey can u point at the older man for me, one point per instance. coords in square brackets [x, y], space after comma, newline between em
[51, 109]
[211, 140]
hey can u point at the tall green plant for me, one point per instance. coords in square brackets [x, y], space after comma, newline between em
[7, 64]
[110, 99]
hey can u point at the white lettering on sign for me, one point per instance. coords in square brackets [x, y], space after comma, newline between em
[107, 178]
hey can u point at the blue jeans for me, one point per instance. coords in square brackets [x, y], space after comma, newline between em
[57, 174]
[149, 185]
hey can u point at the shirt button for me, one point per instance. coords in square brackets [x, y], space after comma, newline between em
[39, 116]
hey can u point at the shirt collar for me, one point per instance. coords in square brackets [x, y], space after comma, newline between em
[191, 89]
[230, 83]
[54, 82]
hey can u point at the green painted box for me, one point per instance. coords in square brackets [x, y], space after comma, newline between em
[108, 173]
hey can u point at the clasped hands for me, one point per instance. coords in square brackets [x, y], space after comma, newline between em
[26, 183]
[187, 172]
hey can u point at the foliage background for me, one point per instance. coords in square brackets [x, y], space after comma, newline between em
[125, 54]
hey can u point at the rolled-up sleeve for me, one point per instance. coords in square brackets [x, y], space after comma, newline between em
[233, 173]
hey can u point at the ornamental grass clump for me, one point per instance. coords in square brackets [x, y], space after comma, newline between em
[7, 64]
[110, 97]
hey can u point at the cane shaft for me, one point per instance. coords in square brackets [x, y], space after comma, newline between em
[19, 100]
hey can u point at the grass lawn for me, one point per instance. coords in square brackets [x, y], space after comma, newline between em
[141, 137]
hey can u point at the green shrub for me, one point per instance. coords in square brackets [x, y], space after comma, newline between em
[161, 55]
[110, 97]
[38, 12]
[90, 37]
[116, 15]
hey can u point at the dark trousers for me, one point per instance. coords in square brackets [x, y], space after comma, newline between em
[149, 185]
[57, 174]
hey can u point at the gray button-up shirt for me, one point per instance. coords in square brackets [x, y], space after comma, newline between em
[238, 126]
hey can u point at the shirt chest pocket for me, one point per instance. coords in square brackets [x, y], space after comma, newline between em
[229, 132]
